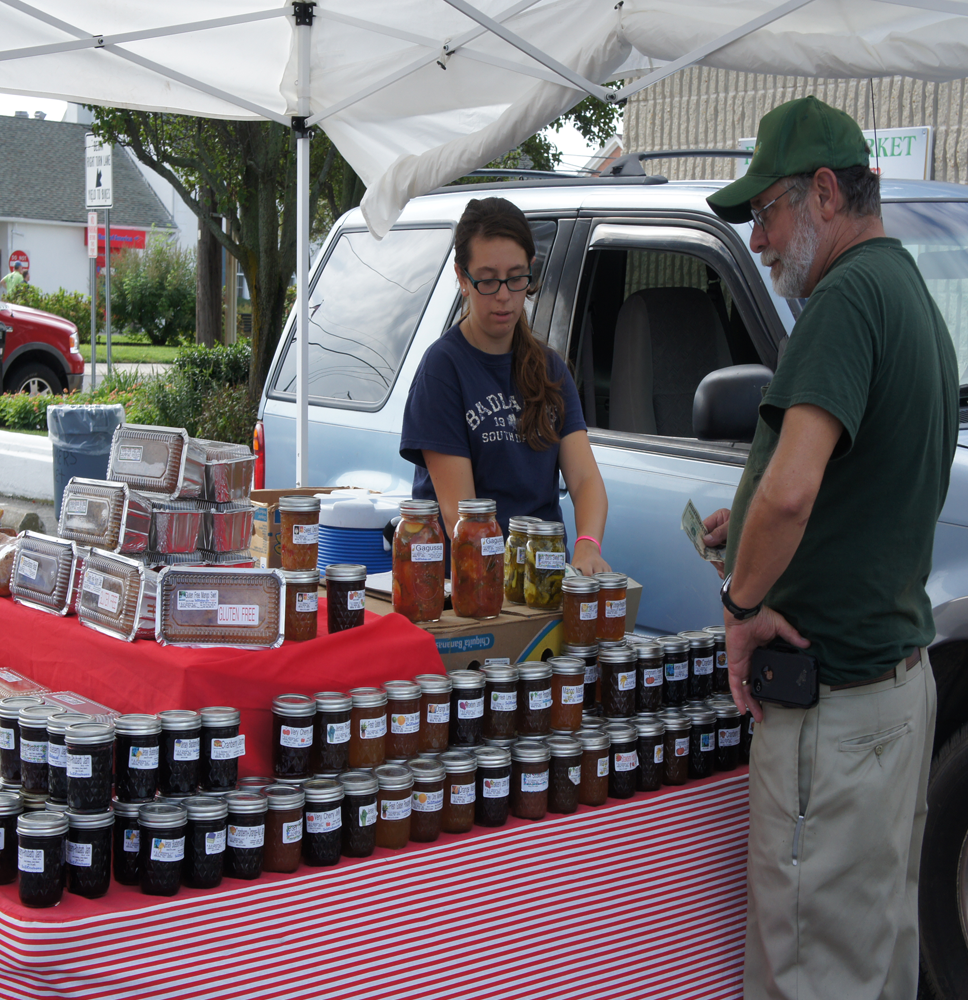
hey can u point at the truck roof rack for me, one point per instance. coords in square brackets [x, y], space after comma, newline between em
[630, 165]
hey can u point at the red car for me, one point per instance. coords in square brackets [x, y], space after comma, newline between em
[39, 351]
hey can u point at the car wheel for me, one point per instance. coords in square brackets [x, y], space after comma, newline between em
[36, 380]
[943, 889]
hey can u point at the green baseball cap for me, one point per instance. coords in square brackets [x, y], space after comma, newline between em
[795, 138]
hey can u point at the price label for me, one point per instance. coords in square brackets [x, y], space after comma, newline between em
[427, 552]
[493, 546]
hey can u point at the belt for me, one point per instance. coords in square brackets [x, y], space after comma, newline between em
[888, 675]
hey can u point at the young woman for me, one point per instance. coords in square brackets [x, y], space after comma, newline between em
[492, 412]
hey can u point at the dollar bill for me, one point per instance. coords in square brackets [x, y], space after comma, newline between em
[692, 525]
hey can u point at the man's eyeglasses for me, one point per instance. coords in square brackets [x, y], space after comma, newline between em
[759, 214]
[491, 286]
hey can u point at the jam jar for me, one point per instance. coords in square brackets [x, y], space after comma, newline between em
[728, 727]
[221, 747]
[460, 791]
[418, 562]
[90, 756]
[589, 655]
[179, 751]
[345, 596]
[435, 690]
[529, 779]
[675, 762]
[88, 857]
[593, 789]
[721, 663]
[41, 838]
[466, 708]
[493, 786]
[368, 727]
[619, 666]
[564, 773]
[299, 532]
[651, 748]
[702, 656]
[292, 735]
[648, 689]
[403, 717]
[394, 805]
[579, 610]
[428, 799]
[136, 756]
[611, 606]
[702, 741]
[162, 848]
[302, 604]
[127, 842]
[623, 764]
[284, 828]
[675, 664]
[534, 698]
[11, 806]
[515, 558]
[331, 739]
[57, 752]
[544, 569]
[32, 726]
[567, 692]
[245, 834]
[10, 735]
[500, 701]
[322, 822]
[359, 813]
[205, 836]
[477, 561]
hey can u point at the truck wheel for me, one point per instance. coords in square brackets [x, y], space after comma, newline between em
[943, 889]
[35, 379]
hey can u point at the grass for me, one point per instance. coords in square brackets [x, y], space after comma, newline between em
[131, 353]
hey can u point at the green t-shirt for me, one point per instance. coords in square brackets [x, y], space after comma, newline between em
[871, 348]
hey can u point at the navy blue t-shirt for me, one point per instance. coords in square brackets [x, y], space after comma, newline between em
[464, 402]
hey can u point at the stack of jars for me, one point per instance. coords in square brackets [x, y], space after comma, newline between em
[299, 552]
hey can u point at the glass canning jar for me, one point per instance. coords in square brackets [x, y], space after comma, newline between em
[702, 741]
[162, 847]
[589, 654]
[544, 569]
[292, 735]
[221, 747]
[245, 833]
[403, 715]
[619, 666]
[675, 666]
[534, 698]
[611, 606]
[127, 842]
[477, 561]
[299, 532]
[530, 766]
[179, 751]
[651, 734]
[460, 791]
[515, 558]
[359, 813]
[302, 604]
[205, 836]
[418, 562]
[90, 759]
[368, 727]
[579, 610]
[500, 701]
[564, 775]
[428, 799]
[435, 692]
[623, 761]
[567, 692]
[57, 752]
[493, 779]
[394, 805]
[675, 762]
[466, 708]
[331, 739]
[345, 596]
[136, 756]
[11, 806]
[702, 656]
[728, 730]
[284, 828]
[32, 727]
[648, 688]
[10, 735]
[322, 822]
[721, 663]
[41, 838]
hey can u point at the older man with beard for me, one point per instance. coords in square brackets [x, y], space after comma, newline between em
[829, 546]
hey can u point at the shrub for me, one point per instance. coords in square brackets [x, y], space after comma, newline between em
[228, 415]
[215, 365]
[71, 306]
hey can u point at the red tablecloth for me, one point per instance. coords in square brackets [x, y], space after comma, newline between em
[144, 676]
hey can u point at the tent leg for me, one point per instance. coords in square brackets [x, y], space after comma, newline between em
[302, 311]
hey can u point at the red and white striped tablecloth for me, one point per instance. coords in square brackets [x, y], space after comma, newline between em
[639, 899]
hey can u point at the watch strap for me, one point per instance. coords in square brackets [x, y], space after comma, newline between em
[740, 614]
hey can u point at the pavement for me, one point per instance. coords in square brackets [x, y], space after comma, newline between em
[102, 370]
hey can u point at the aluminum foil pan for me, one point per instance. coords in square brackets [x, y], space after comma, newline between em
[43, 573]
[158, 560]
[110, 515]
[117, 596]
[226, 527]
[81, 552]
[228, 470]
[158, 460]
[174, 526]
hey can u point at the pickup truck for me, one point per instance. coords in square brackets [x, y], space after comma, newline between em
[38, 352]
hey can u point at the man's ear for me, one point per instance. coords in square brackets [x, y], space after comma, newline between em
[828, 193]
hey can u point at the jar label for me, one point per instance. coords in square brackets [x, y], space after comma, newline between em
[185, 749]
[470, 708]
[492, 546]
[307, 602]
[592, 674]
[93, 581]
[30, 860]
[405, 723]
[521, 556]
[394, 809]
[132, 841]
[503, 660]
[721, 660]
[296, 736]
[651, 676]
[626, 761]
[438, 713]
[355, 600]
[463, 795]
[108, 600]
[682, 746]
[603, 766]
[167, 848]
[3, 839]
[729, 737]
[626, 680]
[197, 600]
[246, 615]
[428, 802]
[367, 815]
[427, 552]
[615, 609]
[702, 665]
[574, 774]
[130, 452]
[292, 831]
[707, 742]
[677, 671]
[539, 699]
[305, 534]
[7, 738]
[56, 755]
[573, 694]
[79, 855]
[33, 751]
[77, 505]
[749, 727]
[228, 748]
[29, 567]
[322, 822]
[338, 732]
[534, 782]
[9, 675]
[504, 701]
[658, 754]
[549, 560]
[215, 842]
[373, 729]
[496, 788]
[78, 765]
[588, 611]
[143, 758]
[246, 837]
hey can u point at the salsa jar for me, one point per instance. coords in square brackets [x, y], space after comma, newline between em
[460, 791]
[221, 747]
[57, 751]
[292, 735]
[675, 755]
[611, 606]
[245, 833]
[530, 767]
[544, 569]
[702, 656]
[702, 741]
[428, 799]
[41, 848]
[435, 691]
[534, 698]
[136, 756]
[90, 760]
[564, 777]
[10, 735]
[127, 842]
[493, 786]
[284, 828]
[302, 604]
[162, 849]
[651, 748]
[299, 532]
[618, 666]
[11, 806]
[515, 558]
[368, 727]
[205, 837]
[500, 701]
[675, 669]
[567, 692]
[466, 708]
[359, 813]
[345, 596]
[579, 610]
[322, 822]
[179, 751]
[648, 688]
[623, 763]
[477, 561]
[32, 727]
[394, 805]
[418, 562]
[331, 736]
[721, 662]
[589, 655]
[728, 734]
[403, 715]
[593, 789]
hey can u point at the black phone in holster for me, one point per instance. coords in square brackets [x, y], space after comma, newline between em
[784, 675]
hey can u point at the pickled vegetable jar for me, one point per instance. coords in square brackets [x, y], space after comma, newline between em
[299, 517]
[544, 569]
[515, 558]
[611, 605]
[477, 561]
[418, 562]
[579, 610]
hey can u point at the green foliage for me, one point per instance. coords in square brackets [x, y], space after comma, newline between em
[71, 306]
[21, 412]
[228, 415]
[215, 365]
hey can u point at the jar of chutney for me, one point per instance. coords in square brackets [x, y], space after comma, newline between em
[728, 732]
[127, 842]
[394, 805]
[323, 822]
[721, 663]
[10, 735]
[675, 755]
[179, 751]
[648, 689]
[359, 813]
[435, 690]
[477, 561]
[41, 840]
[675, 665]
[619, 666]
[403, 719]
[534, 698]
[702, 656]
[579, 610]
[88, 857]
[611, 606]
[500, 701]
[245, 834]
[623, 761]
[302, 604]
[589, 655]
[418, 562]
[428, 799]
[530, 766]
[567, 692]
[292, 735]
[515, 558]
[11, 806]
[162, 847]
[299, 532]
[32, 725]
[493, 786]
[284, 828]
[368, 727]
[544, 568]
[136, 753]
[205, 841]
[466, 708]
[651, 750]
[460, 791]
[564, 774]
[90, 759]
[593, 789]
[221, 747]
[345, 596]
[331, 736]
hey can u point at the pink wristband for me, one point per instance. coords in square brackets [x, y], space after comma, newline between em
[588, 538]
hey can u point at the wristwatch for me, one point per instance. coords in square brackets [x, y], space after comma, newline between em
[740, 614]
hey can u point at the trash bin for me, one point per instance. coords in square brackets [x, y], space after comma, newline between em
[80, 437]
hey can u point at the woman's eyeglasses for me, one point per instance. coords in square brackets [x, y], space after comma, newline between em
[491, 286]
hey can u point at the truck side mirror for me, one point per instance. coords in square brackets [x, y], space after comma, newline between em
[726, 404]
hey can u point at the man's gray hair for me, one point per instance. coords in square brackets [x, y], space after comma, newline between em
[859, 185]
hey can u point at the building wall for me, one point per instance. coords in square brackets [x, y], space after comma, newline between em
[57, 252]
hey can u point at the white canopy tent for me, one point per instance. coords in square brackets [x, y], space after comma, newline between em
[415, 93]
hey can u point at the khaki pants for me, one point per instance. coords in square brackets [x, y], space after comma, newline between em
[837, 810]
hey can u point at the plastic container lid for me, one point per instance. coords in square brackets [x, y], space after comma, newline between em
[162, 815]
[179, 720]
[136, 724]
[295, 705]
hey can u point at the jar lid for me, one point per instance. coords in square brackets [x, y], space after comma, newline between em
[137, 724]
[527, 751]
[619, 732]
[56, 806]
[593, 739]
[519, 523]
[533, 670]
[177, 720]
[11, 803]
[546, 528]
[613, 644]
[617, 720]
[562, 746]
[648, 650]
[463, 680]
[323, 790]
[699, 640]
[620, 654]
[36, 716]
[163, 815]
[490, 756]
[419, 508]
[10, 786]
[246, 801]
[567, 665]
[42, 824]
[256, 781]
[649, 727]
[220, 716]
[300, 705]
[89, 821]
[477, 506]
[501, 744]
[700, 715]
[677, 723]
[584, 651]
[281, 797]
[129, 810]
[458, 762]
[10, 707]
[717, 630]
[580, 585]
[402, 690]
[358, 783]
[209, 793]
[203, 807]
[354, 572]
[726, 710]
[332, 701]
[89, 733]
[368, 697]
[301, 577]
[393, 776]
[592, 722]
[426, 769]
[500, 672]
[57, 723]
[612, 581]
[673, 644]
[34, 800]
[672, 711]
[433, 683]
[295, 502]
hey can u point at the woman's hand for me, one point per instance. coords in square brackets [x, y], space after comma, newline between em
[588, 560]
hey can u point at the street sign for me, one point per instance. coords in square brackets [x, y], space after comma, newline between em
[98, 189]
[92, 235]
[21, 257]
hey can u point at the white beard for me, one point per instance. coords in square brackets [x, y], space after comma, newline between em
[790, 278]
